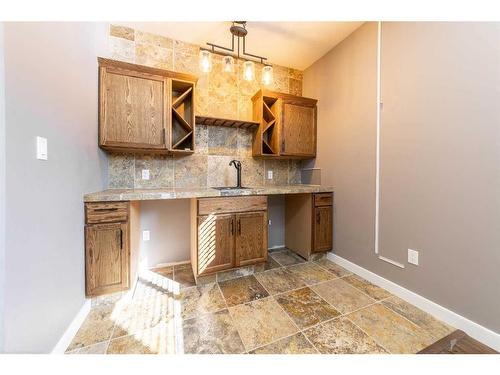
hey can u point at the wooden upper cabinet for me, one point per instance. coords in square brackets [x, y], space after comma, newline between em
[132, 109]
[136, 107]
[298, 129]
[287, 125]
[251, 238]
[215, 243]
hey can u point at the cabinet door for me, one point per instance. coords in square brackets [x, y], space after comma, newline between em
[251, 238]
[106, 254]
[298, 130]
[323, 228]
[132, 111]
[215, 243]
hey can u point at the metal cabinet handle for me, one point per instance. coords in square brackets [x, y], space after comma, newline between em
[239, 226]
[232, 227]
[121, 239]
[318, 217]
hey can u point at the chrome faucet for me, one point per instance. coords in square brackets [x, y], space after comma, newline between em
[237, 165]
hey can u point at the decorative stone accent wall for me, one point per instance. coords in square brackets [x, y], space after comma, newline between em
[218, 94]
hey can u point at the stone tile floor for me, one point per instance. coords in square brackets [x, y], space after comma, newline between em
[284, 306]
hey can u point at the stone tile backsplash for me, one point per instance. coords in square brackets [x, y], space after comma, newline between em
[218, 94]
[209, 166]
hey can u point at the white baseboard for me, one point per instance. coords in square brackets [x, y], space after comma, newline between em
[73, 328]
[276, 247]
[474, 330]
[169, 264]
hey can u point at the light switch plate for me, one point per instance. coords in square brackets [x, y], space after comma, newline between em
[145, 174]
[413, 257]
[41, 148]
[145, 235]
[269, 175]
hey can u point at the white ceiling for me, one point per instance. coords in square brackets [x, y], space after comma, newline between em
[292, 44]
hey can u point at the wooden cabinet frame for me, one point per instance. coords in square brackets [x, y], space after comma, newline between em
[106, 258]
[137, 118]
[216, 242]
[241, 241]
[251, 238]
[111, 246]
[309, 223]
[284, 119]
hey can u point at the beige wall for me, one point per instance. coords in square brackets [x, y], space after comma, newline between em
[440, 152]
[50, 91]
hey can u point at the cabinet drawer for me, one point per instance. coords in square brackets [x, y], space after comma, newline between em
[208, 206]
[323, 199]
[106, 212]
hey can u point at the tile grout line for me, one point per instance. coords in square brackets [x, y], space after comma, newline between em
[356, 289]
[381, 300]
[362, 291]
[110, 338]
[274, 300]
[367, 335]
[231, 315]
[286, 314]
[377, 302]
[310, 342]
[405, 318]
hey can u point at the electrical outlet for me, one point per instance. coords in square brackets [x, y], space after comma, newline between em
[145, 235]
[269, 175]
[269, 221]
[413, 257]
[41, 148]
[145, 174]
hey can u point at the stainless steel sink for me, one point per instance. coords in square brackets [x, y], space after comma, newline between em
[229, 188]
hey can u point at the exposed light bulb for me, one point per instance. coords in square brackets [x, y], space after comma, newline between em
[228, 63]
[248, 70]
[205, 61]
[267, 75]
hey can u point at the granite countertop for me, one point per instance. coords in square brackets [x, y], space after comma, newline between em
[182, 193]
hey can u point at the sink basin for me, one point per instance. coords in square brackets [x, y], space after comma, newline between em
[229, 188]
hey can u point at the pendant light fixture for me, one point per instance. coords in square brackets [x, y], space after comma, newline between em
[267, 75]
[239, 33]
[228, 64]
[248, 71]
[205, 61]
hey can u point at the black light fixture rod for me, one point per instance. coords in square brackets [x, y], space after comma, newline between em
[219, 47]
[242, 57]
[249, 54]
[240, 32]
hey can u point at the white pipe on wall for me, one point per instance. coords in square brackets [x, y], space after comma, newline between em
[377, 156]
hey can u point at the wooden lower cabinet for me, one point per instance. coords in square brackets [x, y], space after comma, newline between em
[251, 238]
[111, 246]
[323, 228]
[224, 240]
[309, 223]
[215, 243]
[107, 258]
